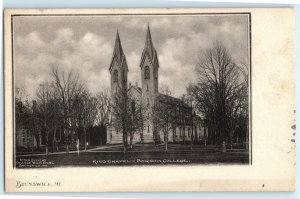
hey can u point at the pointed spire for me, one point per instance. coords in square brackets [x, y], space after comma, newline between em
[149, 50]
[118, 51]
[148, 43]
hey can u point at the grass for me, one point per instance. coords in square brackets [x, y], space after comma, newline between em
[139, 155]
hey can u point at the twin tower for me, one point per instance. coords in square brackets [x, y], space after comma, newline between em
[149, 70]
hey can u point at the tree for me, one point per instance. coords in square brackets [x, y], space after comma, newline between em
[61, 105]
[235, 111]
[22, 107]
[218, 92]
[91, 111]
[86, 108]
[135, 120]
[120, 114]
[244, 116]
[68, 87]
[188, 99]
[47, 113]
[164, 117]
[104, 106]
[127, 115]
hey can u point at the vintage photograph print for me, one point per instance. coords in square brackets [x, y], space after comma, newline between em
[131, 89]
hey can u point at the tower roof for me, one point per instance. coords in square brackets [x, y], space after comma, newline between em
[118, 51]
[149, 48]
[148, 43]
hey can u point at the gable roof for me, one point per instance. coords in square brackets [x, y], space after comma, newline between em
[172, 100]
[139, 89]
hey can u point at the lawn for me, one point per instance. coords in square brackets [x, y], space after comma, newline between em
[139, 155]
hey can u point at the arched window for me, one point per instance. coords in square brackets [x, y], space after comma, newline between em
[147, 72]
[115, 76]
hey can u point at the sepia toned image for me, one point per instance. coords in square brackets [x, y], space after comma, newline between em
[149, 100]
[133, 89]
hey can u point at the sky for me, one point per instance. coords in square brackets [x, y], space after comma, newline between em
[84, 44]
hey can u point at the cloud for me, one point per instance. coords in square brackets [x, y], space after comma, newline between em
[85, 45]
[83, 56]
[174, 72]
[133, 61]
[29, 44]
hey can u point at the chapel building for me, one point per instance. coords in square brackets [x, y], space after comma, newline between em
[187, 126]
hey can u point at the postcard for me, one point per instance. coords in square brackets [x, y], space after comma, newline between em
[149, 100]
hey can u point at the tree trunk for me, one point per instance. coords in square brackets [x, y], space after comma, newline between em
[53, 145]
[166, 142]
[54, 139]
[47, 143]
[215, 137]
[142, 136]
[37, 137]
[223, 146]
[125, 142]
[166, 139]
[166, 146]
[174, 135]
[183, 135]
[231, 140]
[192, 137]
[32, 145]
[67, 147]
[84, 129]
[154, 136]
[66, 140]
[89, 141]
[247, 138]
[196, 135]
[131, 138]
